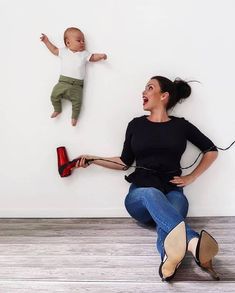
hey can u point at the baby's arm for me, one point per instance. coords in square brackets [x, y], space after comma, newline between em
[97, 57]
[54, 50]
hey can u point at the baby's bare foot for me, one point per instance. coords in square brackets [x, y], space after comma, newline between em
[54, 114]
[74, 122]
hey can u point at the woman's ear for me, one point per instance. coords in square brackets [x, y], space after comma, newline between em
[165, 96]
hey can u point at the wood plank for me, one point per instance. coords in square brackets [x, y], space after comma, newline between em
[114, 222]
[104, 274]
[111, 220]
[115, 287]
[77, 239]
[68, 261]
[74, 249]
[105, 232]
[115, 249]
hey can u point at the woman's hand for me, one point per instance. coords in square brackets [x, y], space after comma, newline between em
[182, 181]
[82, 161]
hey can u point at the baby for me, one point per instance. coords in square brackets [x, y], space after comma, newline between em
[73, 61]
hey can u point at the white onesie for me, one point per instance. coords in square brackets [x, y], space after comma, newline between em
[73, 64]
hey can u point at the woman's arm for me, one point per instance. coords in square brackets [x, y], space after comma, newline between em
[119, 165]
[206, 161]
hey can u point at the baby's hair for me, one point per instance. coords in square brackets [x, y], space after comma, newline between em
[69, 30]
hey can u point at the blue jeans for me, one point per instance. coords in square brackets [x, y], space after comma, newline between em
[148, 204]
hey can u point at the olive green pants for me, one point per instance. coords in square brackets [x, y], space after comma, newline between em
[70, 89]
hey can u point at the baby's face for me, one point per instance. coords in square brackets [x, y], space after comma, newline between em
[75, 41]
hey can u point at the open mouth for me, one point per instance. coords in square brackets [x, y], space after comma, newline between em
[145, 100]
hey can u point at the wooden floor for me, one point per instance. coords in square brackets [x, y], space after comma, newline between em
[103, 256]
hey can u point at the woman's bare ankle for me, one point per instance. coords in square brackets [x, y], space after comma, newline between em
[192, 245]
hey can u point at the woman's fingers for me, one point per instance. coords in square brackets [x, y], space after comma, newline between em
[178, 181]
[182, 181]
[78, 164]
[82, 162]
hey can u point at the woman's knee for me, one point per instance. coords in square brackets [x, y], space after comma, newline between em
[150, 193]
[179, 201]
[143, 194]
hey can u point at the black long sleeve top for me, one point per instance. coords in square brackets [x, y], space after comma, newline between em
[159, 146]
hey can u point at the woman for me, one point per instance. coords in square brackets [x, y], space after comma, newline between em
[157, 143]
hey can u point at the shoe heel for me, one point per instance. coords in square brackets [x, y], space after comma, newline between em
[209, 268]
[206, 249]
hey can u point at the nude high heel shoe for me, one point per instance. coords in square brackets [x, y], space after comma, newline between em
[206, 249]
[175, 246]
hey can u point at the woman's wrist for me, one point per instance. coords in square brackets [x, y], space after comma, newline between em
[193, 176]
[93, 159]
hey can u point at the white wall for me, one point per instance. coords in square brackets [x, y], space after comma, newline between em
[192, 39]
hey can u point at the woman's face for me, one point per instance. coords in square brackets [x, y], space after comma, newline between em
[152, 96]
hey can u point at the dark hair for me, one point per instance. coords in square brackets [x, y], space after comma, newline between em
[178, 90]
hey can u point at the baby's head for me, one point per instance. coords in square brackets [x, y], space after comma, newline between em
[74, 39]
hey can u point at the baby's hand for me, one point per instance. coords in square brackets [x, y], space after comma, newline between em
[104, 56]
[97, 57]
[44, 38]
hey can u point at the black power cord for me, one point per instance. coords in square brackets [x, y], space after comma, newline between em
[125, 167]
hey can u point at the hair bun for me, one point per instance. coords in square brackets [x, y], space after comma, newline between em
[182, 89]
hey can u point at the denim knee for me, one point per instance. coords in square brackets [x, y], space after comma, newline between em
[179, 201]
[140, 193]
[150, 193]
[136, 207]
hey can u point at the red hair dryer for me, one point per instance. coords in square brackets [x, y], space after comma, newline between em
[64, 165]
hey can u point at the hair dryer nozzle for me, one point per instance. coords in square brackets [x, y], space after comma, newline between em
[64, 165]
[62, 156]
